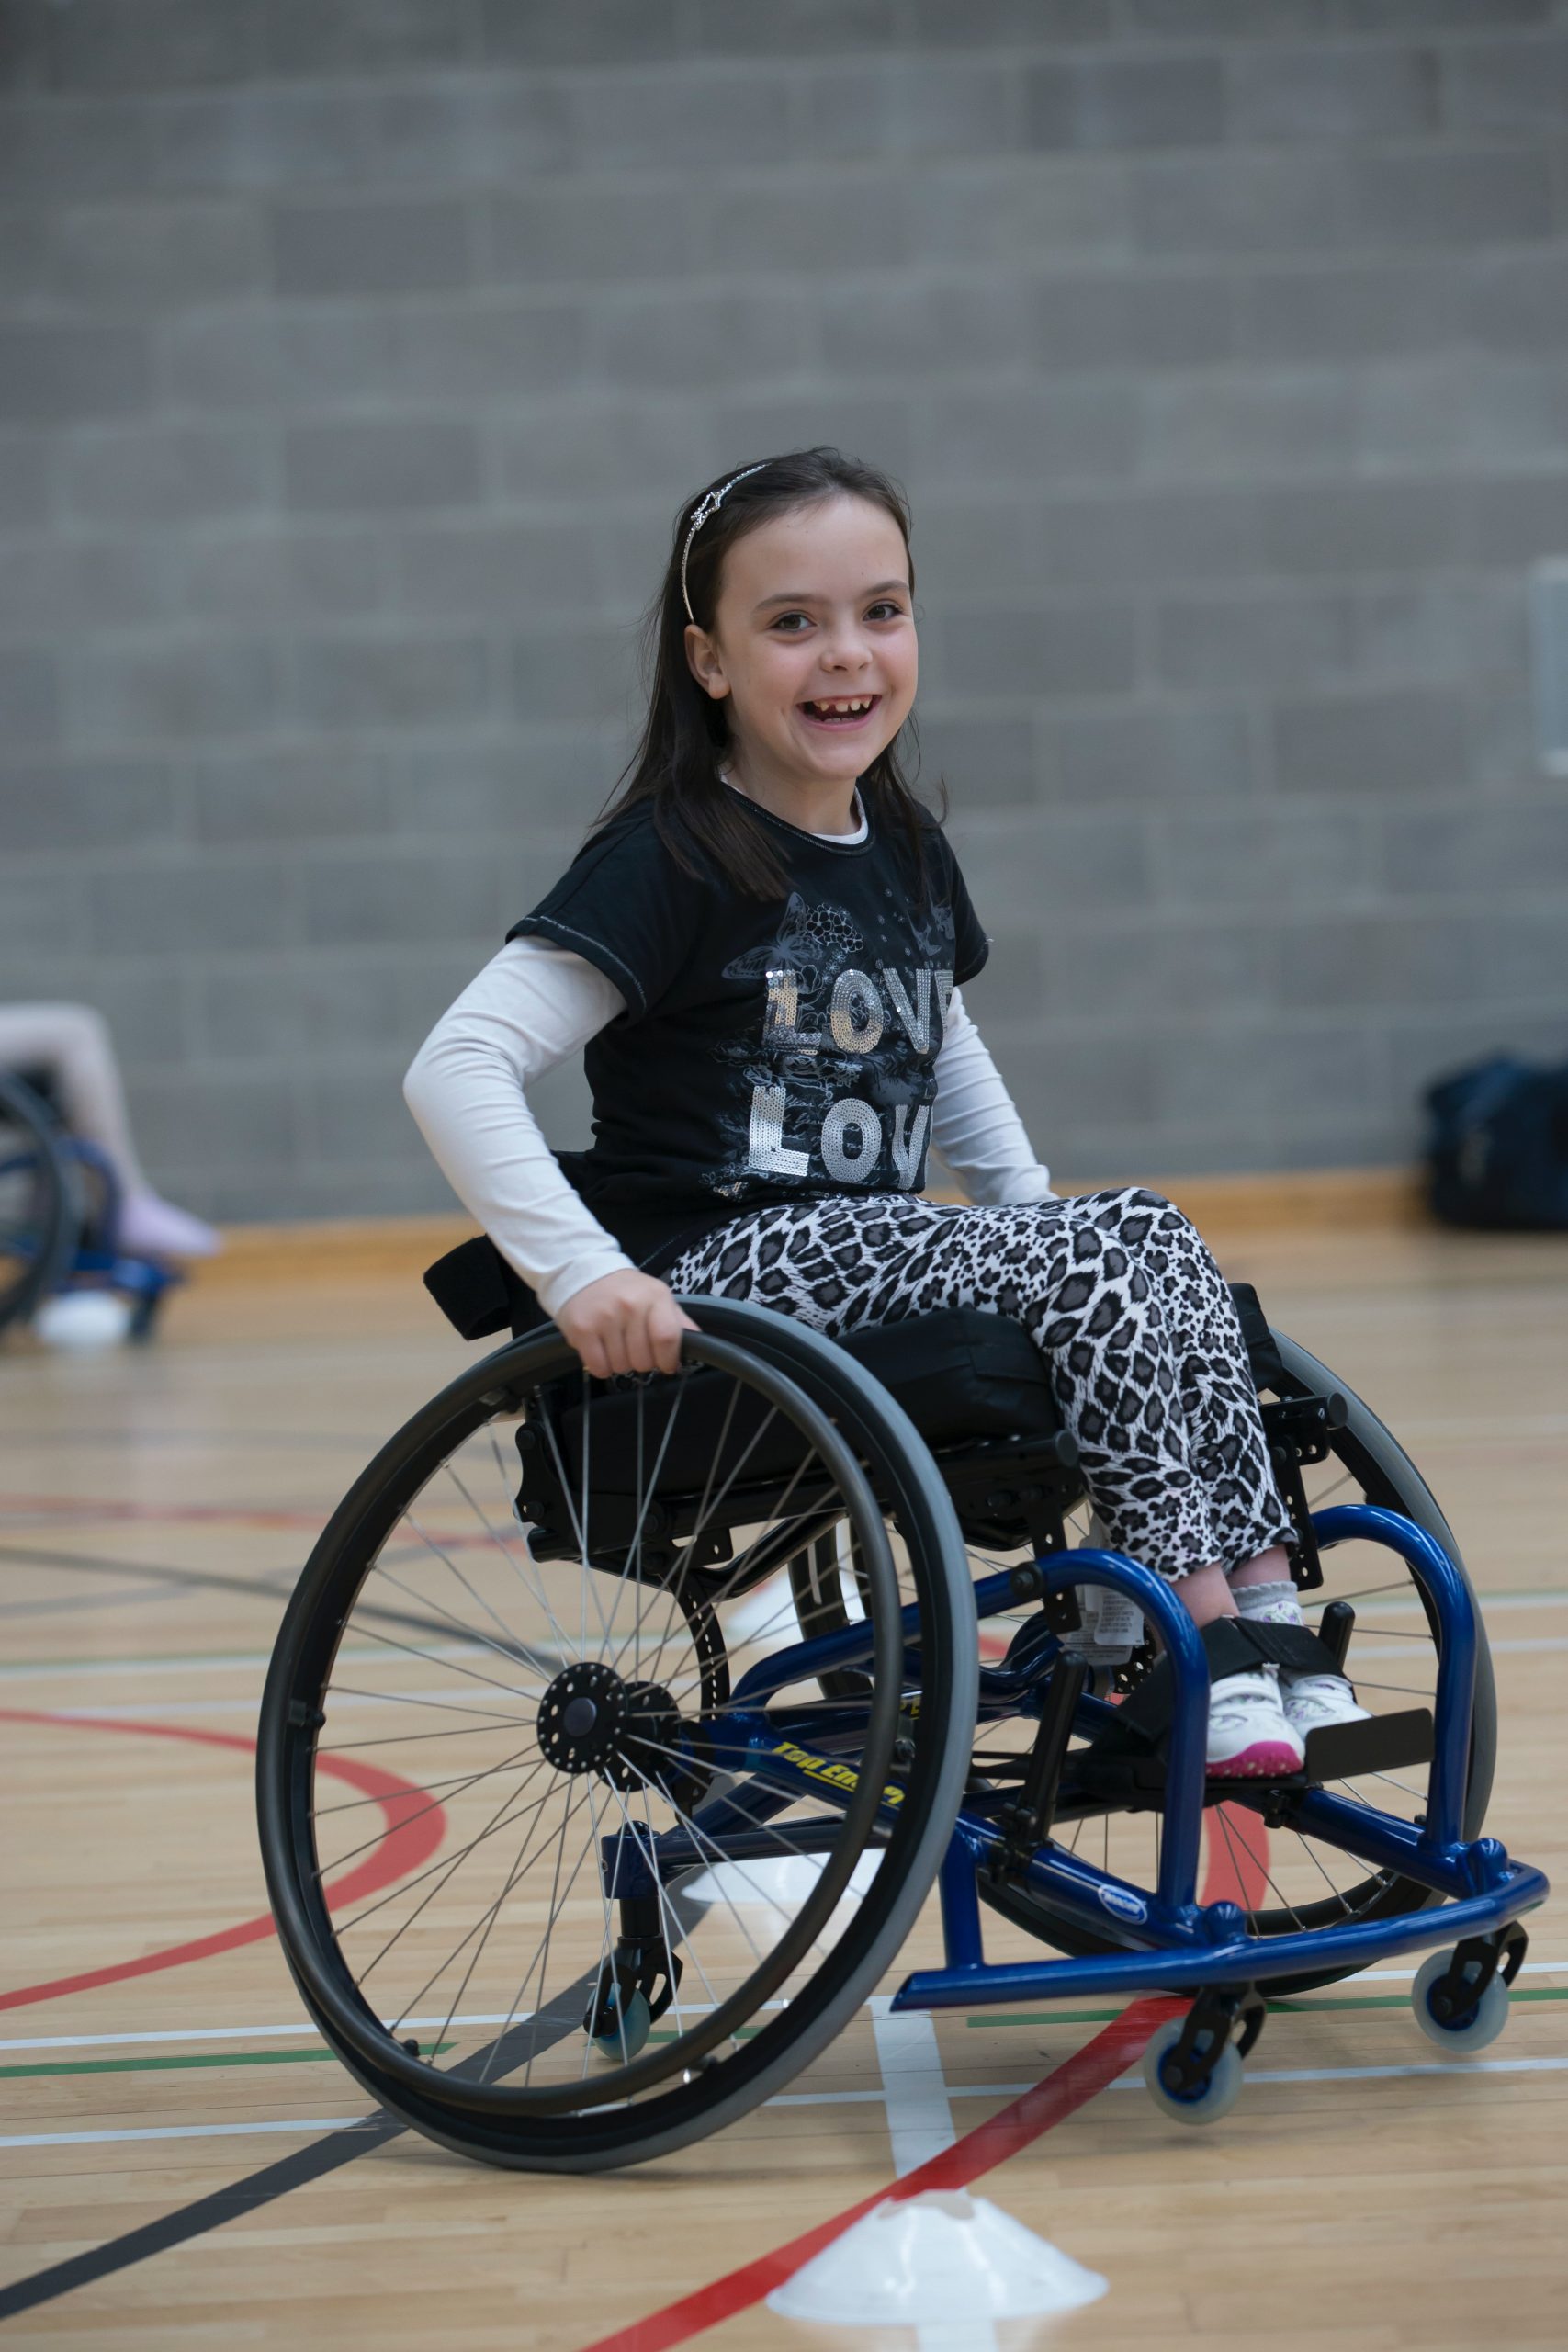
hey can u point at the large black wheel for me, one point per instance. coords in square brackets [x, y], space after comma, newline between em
[40, 1209]
[523, 1644]
[1296, 1883]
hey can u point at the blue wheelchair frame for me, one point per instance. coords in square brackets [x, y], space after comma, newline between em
[141, 1280]
[1176, 1943]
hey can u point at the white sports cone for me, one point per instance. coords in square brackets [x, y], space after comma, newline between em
[782, 1883]
[935, 2261]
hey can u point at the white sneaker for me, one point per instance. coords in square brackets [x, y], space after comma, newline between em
[1312, 1702]
[1250, 1735]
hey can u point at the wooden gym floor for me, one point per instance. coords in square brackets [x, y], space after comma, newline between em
[153, 1510]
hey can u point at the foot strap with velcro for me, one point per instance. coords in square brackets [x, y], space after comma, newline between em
[1233, 1645]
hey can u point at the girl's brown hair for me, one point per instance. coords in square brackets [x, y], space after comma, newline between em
[676, 765]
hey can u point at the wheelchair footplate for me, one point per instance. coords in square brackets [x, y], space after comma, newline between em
[1335, 1752]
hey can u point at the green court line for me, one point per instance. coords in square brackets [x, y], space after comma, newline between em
[1360, 2001]
[167, 2065]
[669, 2033]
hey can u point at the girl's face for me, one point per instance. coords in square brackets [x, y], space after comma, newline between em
[813, 643]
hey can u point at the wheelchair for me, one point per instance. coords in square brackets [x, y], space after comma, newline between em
[60, 1214]
[617, 1733]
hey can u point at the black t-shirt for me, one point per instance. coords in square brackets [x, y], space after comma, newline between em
[770, 1050]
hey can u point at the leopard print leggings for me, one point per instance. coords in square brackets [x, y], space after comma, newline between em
[1118, 1291]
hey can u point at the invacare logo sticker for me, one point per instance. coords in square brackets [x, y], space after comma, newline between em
[1124, 1905]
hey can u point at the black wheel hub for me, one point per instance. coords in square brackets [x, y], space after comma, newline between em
[581, 1716]
[630, 1732]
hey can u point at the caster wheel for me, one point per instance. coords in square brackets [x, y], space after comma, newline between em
[1214, 2097]
[1474, 2027]
[622, 2035]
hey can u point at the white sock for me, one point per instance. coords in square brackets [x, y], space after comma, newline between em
[1271, 1604]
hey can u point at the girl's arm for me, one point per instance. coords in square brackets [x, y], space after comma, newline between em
[530, 1008]
[976, 1125]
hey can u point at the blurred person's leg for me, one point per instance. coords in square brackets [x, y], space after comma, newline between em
[72, 1043]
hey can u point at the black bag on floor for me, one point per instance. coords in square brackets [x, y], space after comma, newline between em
[1498, 1151]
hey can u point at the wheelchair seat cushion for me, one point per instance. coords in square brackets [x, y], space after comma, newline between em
[960, 1374]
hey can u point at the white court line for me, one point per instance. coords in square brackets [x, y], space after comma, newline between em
[45, 1672]
[262, 2032]
[186, 2132]
[1403, 1975]
[1130, 2081]
[1486, 1601]
[266, 2032]
[920, 2126]
[920, 2120]
[1384, 2074]
[235, 2032]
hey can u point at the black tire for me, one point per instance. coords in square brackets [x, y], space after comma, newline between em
[453, 2106]
[40, 1206]
[1366, 1453]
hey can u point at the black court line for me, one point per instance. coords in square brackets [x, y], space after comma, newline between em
[275, 1585]
[72, 1603]
[554, 2023]
[188, 2222]
[270, 1588]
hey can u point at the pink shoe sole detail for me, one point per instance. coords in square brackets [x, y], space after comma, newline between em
[1266, 1759]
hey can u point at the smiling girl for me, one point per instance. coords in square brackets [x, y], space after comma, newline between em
[760, 950]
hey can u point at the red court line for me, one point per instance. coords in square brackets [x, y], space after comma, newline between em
[1060, 2094]
[1238, 1864]
[1067, 2088]
[414, 1829]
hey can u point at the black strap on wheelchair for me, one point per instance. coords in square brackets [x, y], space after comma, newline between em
[1233, 1645]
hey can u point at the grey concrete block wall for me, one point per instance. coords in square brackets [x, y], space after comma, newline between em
[354, 355]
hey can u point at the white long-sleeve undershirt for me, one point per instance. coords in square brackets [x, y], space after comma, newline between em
[534, 1006]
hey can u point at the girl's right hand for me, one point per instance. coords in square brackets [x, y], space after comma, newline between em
[626, 1322]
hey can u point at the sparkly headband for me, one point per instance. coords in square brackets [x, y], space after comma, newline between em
[706, 509]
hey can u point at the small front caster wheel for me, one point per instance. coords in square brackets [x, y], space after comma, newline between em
[620, 2033]
[1204, 2102]
[1474, 2026]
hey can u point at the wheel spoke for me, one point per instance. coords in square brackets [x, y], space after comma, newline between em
[414, 1699]
[790, 1853]
[674, 1933]
[472, 1672]
[446, 1864]
[1310, 1850]
[541, 1958]
[537, 1588]
[448, 1562]
[404, 1819]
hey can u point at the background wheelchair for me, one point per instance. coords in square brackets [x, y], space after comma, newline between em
[676, 1697]
[60, 1212]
